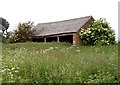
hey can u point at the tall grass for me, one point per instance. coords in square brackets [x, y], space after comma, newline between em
[59, 63]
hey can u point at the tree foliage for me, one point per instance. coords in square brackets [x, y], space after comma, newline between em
[99, 32]
[23, 33]
[5, 25]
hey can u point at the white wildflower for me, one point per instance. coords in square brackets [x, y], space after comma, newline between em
[16, 71]
[81, 30]
[37, 51]
[17, 67]
[89, 32]
[13, 68]
[67, 48]
[3, 71]
[51, 48]
[105, 29]
[88, 28]
[56, 47]
[8, 69]
[11, 74]
[84, 33]
[99, 30]
[77, 50]
[44, 51]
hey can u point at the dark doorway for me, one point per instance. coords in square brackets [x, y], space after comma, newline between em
[51, 39]
[38, 39]
[66, 38]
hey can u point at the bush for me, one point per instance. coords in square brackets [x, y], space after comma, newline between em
[23, 33]
[98, 33]
[2, 38]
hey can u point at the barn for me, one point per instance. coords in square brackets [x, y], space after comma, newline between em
[61, 31]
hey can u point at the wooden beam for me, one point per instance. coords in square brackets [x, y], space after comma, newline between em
[45, 40]
[57, 38]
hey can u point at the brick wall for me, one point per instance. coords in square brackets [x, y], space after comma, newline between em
[76, 38]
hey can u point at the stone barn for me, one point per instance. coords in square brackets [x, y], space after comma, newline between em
[61, 31]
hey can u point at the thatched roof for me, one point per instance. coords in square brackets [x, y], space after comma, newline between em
[61, 27]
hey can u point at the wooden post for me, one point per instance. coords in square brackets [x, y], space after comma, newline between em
[45, 40]
[57, 38]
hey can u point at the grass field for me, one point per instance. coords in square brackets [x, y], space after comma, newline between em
[59, 63]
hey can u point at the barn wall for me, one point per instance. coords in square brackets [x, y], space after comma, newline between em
[76, 37]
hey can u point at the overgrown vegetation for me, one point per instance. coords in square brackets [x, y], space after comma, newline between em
[98, 33]
[23, 33]
[3, 39]
[59, 63]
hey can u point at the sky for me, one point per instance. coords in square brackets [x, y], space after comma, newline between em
[41, 11]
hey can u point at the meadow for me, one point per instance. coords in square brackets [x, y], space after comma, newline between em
[59, 63]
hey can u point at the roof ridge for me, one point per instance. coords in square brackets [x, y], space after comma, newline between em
[63, 20]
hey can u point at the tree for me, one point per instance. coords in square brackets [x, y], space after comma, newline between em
[99, 32]
[4, 25]
[23, 33]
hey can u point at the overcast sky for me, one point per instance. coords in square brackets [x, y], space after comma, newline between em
[41, 11]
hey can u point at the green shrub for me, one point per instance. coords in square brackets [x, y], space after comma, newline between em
[98, 33]
[2, 38]
[23, 33]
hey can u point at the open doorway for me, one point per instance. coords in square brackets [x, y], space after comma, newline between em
[38, 39]
[51, 39]
[66, 38]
